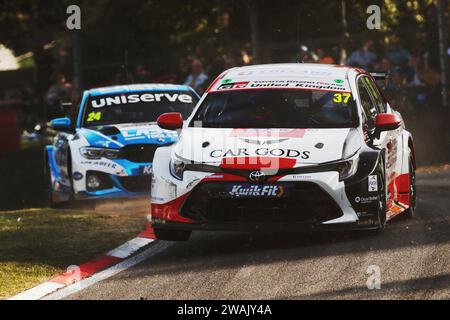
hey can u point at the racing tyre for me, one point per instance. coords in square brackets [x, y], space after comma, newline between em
[382, 211]
[409, 214]
[48, 188]
[172, 235]
[70, 204]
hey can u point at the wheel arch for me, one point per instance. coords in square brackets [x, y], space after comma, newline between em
[69, 162]
[412, 148]
[49, 162]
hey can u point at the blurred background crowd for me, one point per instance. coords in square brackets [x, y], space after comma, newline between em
[154, 41]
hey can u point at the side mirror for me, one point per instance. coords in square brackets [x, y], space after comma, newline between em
[387, 122]
[170, 121]
[61, 124]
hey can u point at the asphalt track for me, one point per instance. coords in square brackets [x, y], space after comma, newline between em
[413, 257]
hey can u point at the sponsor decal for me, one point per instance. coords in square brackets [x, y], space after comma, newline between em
[302, 177]
[392, 154]
[147, 170]
[368, 222]
[285, 84]
[373, 183]
[366, 200]
[102, 164]
[257, 176]
[232, 86]
[261, 152]
[139, 98]
[142, 133]
[249, 191]
[77, 176]
[363, 214]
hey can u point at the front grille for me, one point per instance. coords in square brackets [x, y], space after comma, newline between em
[139, 153]
[136, 184]
[306, 203]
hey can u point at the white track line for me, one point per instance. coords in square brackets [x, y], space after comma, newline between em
[38, 292]
[108, 273]
[123, 252]
[127, 249]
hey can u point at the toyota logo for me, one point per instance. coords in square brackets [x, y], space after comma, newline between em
[257, 176]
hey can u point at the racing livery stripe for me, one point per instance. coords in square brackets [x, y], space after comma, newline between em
[402, 183]
[222, 76]
[263, 133]
[148, 233]
[170, 211]
[258, 163]
[95, 137]
[400, 197]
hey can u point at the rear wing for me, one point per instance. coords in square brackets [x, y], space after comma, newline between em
[380, 76]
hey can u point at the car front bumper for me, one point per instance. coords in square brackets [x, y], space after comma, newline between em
[319, 202]
[119, 179]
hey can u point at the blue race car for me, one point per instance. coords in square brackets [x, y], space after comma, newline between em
[106, 149]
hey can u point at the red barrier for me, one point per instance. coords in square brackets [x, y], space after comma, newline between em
[9, 130]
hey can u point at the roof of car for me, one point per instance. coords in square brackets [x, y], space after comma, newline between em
[138, 88]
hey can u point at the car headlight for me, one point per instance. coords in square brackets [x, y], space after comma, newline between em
[348, 168]
[99, 153]
[177, 168]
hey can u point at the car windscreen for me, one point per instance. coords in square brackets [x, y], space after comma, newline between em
[136, 107]
[277, 109]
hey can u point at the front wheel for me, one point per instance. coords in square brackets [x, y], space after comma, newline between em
[382, 210]
[49, 189]
[172, 235]
[49, 193]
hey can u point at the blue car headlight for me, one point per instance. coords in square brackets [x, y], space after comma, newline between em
[92, 153]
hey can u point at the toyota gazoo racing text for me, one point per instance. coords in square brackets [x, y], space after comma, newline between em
[279, 147]
[106, 149]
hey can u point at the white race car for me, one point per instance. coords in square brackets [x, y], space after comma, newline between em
[285, 147]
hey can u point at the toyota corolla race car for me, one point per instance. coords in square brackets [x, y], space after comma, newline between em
[285, 147]
[106, 149]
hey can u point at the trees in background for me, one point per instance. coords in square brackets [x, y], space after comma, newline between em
[117, 35]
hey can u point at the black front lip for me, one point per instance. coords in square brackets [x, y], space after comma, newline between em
[208, 226]
[263, 228]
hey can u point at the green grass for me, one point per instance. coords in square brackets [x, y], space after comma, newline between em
[37, 244]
